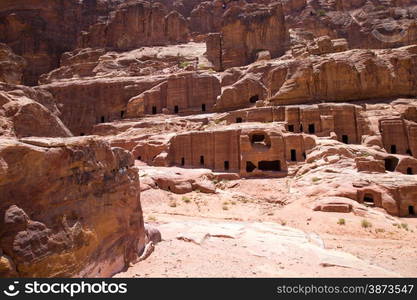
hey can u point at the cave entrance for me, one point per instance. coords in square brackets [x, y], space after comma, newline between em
[254, 99]
[239, 120]
[154, 110]
[409, 152]
[258, 138]
[102, 119]
[82, 134]
[122, 114]
[139, 157]
[176, 109]
[291, 128]
[301, 128]
[391, 164]
[410, 171]
[293, 155]
[182, 161]
[203, 107]
[274, 165]
[226, 165]
[411, 210]
[345, 139]
[368, 199]
[250, 167]
[202, 160]
[311, 129]
[393, 149]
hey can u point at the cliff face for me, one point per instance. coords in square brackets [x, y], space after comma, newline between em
[69, 207]
[346, 76]
[40, 31]
[374, 24]
[245, 32]
[137, 24]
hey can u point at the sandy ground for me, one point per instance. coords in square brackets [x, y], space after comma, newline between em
[273, 238]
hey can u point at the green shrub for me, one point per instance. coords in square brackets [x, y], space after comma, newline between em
[366, 224]
[321, 12]
[341, 221]
[186, 199]
[315, 179]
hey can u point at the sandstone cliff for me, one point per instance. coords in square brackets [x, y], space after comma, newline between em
[137, 24]
[246, 31]
[69, 207]
[344, 76]
[41, 30]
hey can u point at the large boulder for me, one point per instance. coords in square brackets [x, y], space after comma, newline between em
[69, 207]
[28, 112]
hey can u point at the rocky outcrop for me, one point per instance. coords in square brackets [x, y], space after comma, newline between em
[245, 31]
[182, 93]
[245, 92]
[69, 207]
[320, 46]
[29, 112]
[86, 103]
[184, 7]
[179, 181]
[145, 61]
[41, 30]
[332, 170]
[365, 24]
[137, 24]
[346, 76]
[11, 66]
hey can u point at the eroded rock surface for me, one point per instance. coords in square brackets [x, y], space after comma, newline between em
[70, 207]
[261, 131]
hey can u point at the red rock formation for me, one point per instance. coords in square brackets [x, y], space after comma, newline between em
[11, 66]
[69, 207]
[184, 7]
[345, 76]
[250, 151]
[41, 30]
[136, 24]
[244, 32]
[320, 46]
[29, 112]
[245, 92]
[86, 103]
[365, 24]
[88, 222]
[182, 93]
